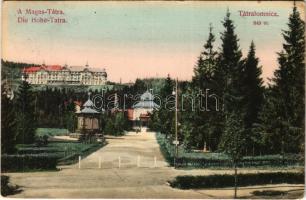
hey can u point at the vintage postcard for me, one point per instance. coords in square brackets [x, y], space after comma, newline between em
[153, 99]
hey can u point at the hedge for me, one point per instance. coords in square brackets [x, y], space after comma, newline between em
[227, 180]
[37, 150]
[10, 163]
[206, 162]
[199, 160]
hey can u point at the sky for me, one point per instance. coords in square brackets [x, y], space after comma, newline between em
[139, 39]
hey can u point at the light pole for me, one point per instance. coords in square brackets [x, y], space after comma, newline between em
[176, 138]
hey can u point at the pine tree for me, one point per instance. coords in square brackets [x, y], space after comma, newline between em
[26, 118]
[8, 124]
[269, 126]
[230, 74]
[253, 96]
[230, 67]
[204, 70]
[204, 79]
[166, 116]
[289, 82]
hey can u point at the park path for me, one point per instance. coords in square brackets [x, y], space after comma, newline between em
[128, 181]
[132, 149]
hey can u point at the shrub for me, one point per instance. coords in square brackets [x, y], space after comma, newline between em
[227, 180]
[5, 188]
[269, 193]
[26, 162]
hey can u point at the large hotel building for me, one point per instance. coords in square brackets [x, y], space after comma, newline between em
[59, 75]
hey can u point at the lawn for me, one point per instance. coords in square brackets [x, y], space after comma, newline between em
[30, 157]
[67, 152]
[51, 131]
[47, 155]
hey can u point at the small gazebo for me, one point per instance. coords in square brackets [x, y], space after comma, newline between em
[88, 119]
[143, 109]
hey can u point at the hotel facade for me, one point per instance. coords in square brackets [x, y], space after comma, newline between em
[64, 75]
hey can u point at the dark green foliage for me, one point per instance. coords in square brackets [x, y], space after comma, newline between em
[253, 88]
[7, 189]
[231, 67]
[41, 140]
[269, 193]
[69, 115]
[26, 120]
[116, 124]
[282, 119]
[199, 125]
[10, 163]
[38, 150]
[139, 87]
[65, 153]
[12, 70]
[8, 124]
[228, 71]
[74, 157]
[206, 64]
[234, 141]
[213, 160]
[166, 148]
[163, 119]
[226, 180]
[253, 100]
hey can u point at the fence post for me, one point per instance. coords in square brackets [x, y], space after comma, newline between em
[100, 160]
[138, 161]
[155, 161]
[119, 162]
[79, 162]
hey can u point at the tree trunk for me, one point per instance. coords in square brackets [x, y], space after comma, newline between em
[235, 196]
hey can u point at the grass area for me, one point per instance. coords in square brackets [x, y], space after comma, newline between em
[189, 159]
[51, 131]
[227, 180]
[170, 149]
[64, 152]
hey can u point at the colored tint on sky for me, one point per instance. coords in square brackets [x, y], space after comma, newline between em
[140, 39]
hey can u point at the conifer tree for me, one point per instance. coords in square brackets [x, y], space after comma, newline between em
[253, 96]
[289, 86]
[166, 116]
[204, 79]
[26, 123]
[230, 67]
[8, 124]
[204, 70]
[230, 74]
[229, 71]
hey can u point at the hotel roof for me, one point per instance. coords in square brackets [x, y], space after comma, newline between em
[59, 68]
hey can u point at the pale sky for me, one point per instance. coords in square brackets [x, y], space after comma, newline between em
[139, 39]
